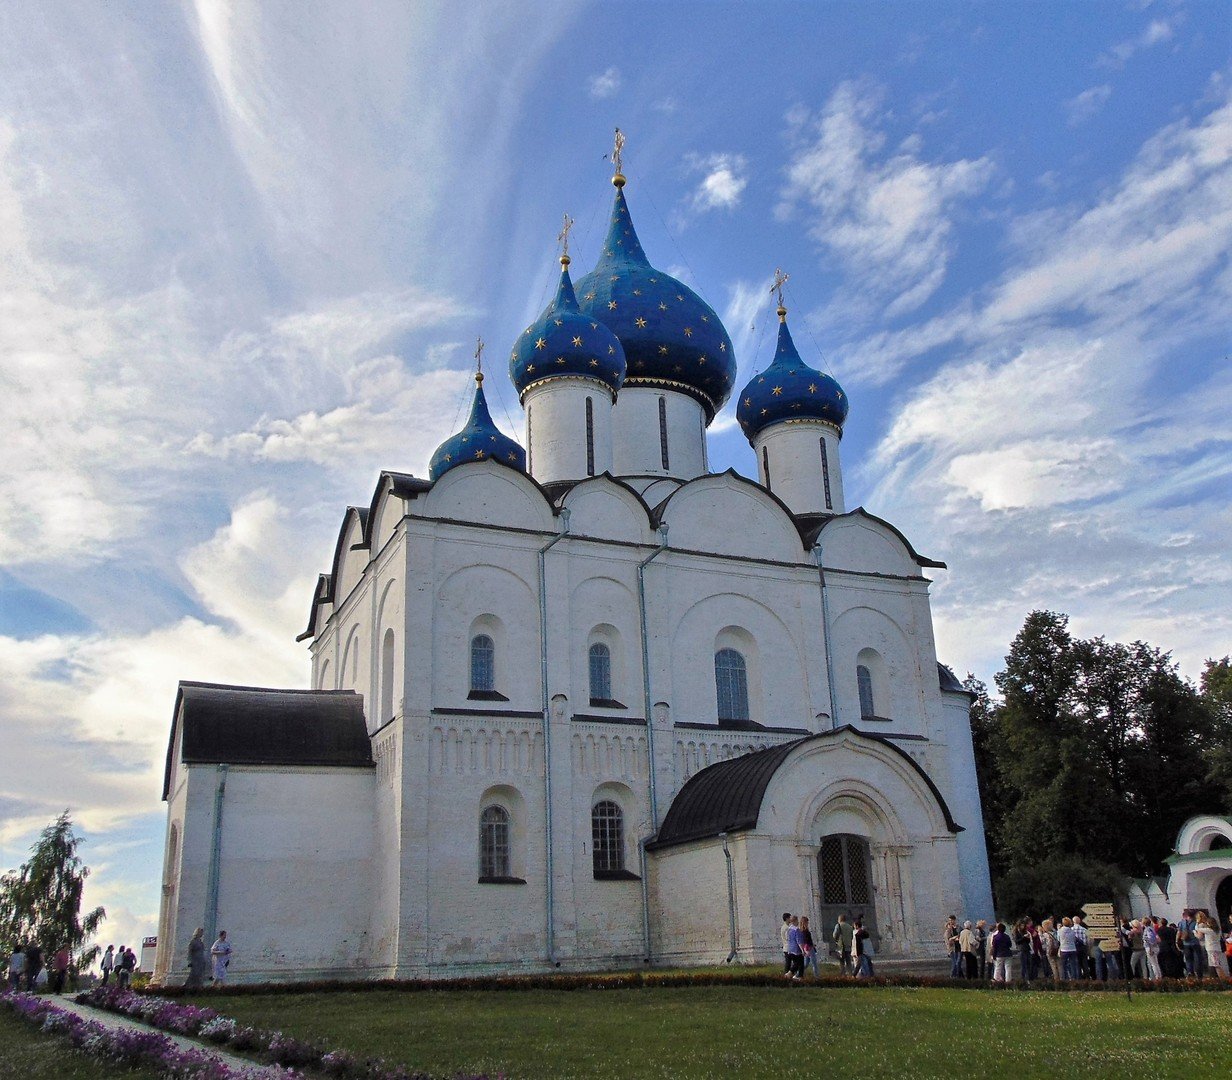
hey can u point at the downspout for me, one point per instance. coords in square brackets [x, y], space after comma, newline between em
[547, 728]
[650, 754]
[731, 900]
[825, 633]
[212, 882]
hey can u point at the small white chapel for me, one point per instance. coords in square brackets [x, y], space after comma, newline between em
[582, 703]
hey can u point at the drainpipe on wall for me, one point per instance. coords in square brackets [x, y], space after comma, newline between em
[825, 633]
[731, 900]
[212, 882]
[547, 727]
[650, 754]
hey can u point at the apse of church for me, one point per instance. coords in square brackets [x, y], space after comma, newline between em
[563, 715]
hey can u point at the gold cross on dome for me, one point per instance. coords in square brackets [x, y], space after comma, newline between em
[618, 150]
[780, 279]
[563, 238]
[479, 354]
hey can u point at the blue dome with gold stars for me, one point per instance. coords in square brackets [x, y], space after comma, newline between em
[789, 390]
[671, 336]
[564, 342]
[479, 440]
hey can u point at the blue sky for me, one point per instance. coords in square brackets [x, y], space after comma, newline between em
[245, 251]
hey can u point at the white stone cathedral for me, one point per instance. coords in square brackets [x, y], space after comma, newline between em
[588, 704]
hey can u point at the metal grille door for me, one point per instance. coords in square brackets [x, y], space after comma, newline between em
[844, 869]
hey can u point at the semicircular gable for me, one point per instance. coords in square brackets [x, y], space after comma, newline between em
[862, 541]
[491, 494]
[727, 514]
[350, 554]
[603, 507]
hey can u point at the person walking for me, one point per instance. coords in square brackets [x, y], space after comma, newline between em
[1082, 946]
[1187, 939]
[809, 946]
[843, 937]
[981, 951]
[1171, 960]
[1051, 947]
[1002, 947]
[108, 964]
[863, 950]
[1150, 945]
[1124, 934]
[795, 950]
[34, 965]
[950, 933]
[17, 967]
[59, 970]
[220, 952]
[783, 931]
[1067, 949]
[198, 961]
[1208, 938]
[968, 944]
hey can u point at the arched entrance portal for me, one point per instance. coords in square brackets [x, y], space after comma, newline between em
[1223, 901]
[844, 871]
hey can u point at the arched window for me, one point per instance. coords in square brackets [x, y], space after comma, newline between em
[600, 674]
[387, 677]
[731, 680]
[494, 843]
[607, 828]
[864, 679]
[483, 664]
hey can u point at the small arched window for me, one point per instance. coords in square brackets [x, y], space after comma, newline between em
[607, 828]
[864, 679]
[483, 664]
[494, 843]
[600, 674]
[731, 681]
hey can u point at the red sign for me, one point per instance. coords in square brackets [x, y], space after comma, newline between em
[149, 943]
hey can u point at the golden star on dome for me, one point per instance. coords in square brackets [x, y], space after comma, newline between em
[812, 388]
[839, 395]
[577, 342]
[705, 318]
[530, 369]
[680, 298]
[479, 454]
[640, 323]
[540, 343]
[662, 306]
[722, 346]
[589, 296]
[611, 349]
[663, 350]
[748, 402]
[640, 364]
[559, 322]
[594, 326]
[777, 391]
[614, 277]
[763, 412]
[611, 305]
[795, 404]
[654, 281]
[637, 292]
[491, 438]
[594, 363]
[701, 359]
[449, 457]
[608, 253]
[761, 380]
[560, 359]
[513, 456]
[688, 331]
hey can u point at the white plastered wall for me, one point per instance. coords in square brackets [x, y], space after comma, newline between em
[636, 442]
[556, 429]
[792, 450]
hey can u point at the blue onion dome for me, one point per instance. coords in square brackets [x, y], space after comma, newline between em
[563, 342]
[672, 337]
[789, 391]
[479, 440]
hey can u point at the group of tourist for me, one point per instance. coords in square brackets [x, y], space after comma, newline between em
[200, 963]
[26, 968]
[1064, 949]
[121, 964]
[852, 941]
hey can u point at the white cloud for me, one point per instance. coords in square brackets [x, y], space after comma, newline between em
[1081, 107]
[605, 85]
[886, 214]
[1156, 31]
[723, 182]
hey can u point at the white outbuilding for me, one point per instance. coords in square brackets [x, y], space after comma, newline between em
[588, 704]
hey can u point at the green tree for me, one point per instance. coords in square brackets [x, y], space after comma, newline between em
[41, 901]
[1217, 697]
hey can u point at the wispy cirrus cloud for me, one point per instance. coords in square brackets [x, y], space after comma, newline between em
[1081, 107]
[606, 84]
[883, 210]
[1155, 32]
[724, 178]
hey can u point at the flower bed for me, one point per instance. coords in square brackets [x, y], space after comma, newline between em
[131, 1048]
[732, 977]
[282, 1049]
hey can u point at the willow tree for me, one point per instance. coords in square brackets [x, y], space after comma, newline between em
[41, 901]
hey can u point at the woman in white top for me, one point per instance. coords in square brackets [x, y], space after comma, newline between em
[220, 953]
[1208, 939]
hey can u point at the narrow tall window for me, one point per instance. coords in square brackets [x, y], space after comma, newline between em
[731, 681]
[590, 437]
[530, 442]
[864, 679]
[765, 467]
[483, 664]
[607, 829]
[494, 843]
[663, 430]
[387, 677]
[600, 673]
[825, 474]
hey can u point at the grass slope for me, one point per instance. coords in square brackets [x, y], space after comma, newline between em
[764, 1031]
[27, 1053]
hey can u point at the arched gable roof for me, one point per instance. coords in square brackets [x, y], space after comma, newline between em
[727, 796]
[607, 478]
[813, 535]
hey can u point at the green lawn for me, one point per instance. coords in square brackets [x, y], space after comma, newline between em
[764, 1031]
[27, 1053]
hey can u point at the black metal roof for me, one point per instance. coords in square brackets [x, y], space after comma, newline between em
[727, 796]
[949, 681]
[253, 725]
